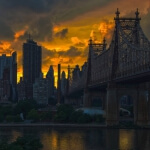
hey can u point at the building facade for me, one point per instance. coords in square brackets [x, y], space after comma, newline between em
[40, 91]
[32, 61]
[8, 77]
[25, 90]
[32, 64]
[51, 79]
[63, 83]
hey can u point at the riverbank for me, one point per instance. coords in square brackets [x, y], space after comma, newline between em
[67, 125]
[53, 125]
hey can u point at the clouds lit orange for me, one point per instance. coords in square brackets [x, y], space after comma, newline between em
[63, 28]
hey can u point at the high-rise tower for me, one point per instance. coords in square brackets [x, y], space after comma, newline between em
[51, 79]
[32, 61]
[8, 77]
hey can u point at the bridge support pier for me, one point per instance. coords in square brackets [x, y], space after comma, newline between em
[148, 104]
[142, 107]
[112, 106]
[87, 98]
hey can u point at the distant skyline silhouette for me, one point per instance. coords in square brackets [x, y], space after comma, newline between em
[63, 28]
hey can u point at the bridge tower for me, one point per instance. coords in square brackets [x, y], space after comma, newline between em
[121, 69]
[127, 34]
[95, 49]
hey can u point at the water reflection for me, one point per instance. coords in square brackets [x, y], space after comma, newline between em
[83, 139]
[126, 138]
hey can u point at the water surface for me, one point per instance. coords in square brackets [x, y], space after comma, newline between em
[83, 139]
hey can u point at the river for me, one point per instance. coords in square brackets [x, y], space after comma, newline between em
[83, 139]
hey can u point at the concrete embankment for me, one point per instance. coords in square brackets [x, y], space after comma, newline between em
[53, 125]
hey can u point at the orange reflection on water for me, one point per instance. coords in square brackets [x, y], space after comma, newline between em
[126, 138]
[62, 140]
[15, 135]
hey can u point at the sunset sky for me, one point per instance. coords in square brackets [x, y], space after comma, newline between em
[63, 27]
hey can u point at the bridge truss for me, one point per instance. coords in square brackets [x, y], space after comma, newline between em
[127, 56]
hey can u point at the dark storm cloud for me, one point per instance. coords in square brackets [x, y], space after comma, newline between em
[33, 5]
[62, 34]
[39, 15]
[40, 29]
[146, 24]
[6, 32]
[80, 44]
[71, 52]
[62, 61]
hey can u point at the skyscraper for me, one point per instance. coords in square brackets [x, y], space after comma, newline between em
[8, 77]
[50, 78]
[63, 83]
[32, 61]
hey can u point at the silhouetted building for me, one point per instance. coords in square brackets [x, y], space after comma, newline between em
[32, 61]
[25, 90]
[84, 67]
[59, 84]
[51, 79]
[40, 90]
[63, 83]
[8, 77]
[76, 72]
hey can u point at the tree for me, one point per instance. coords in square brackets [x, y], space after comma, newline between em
[22, 143]
[46, 116]
[24, 106]
[63, 113]
[33, 115]
[9, 118]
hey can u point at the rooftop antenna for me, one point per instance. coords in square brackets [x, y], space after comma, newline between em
[117, 13]
[137, 13]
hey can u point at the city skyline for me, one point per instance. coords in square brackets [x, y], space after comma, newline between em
[61, 29]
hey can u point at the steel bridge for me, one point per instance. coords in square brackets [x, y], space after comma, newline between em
[122, 68]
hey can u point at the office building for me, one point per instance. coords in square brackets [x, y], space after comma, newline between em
[51, 79]
[8, 77]
[32, 61]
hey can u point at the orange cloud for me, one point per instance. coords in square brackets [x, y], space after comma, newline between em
[19, 33]
[4, 45]
[96, 22]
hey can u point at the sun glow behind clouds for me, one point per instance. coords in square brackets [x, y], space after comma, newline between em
[64, 30]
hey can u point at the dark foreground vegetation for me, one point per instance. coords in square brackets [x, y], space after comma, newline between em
[67, 114]
[29, 110]
[22, 143]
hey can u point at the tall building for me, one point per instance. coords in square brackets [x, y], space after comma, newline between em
[8, 77]
[40, 90]
[59, 84]
[51, 79]
[63, 83]
[32, 61]
[25, 90]
[76, 73]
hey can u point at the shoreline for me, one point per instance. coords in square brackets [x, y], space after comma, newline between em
[52, 125]
[67, 125]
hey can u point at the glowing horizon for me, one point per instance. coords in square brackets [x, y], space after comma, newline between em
[63, 28]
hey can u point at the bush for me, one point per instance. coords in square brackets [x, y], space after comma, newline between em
[6, 110]
[1, 118]
[24, 106]
[75, 116]
[46, 116]
[85, 118]
[63, 113]
[17, 118]
[33, 115]
[22, 143]
[98, 118]
[9, 118]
